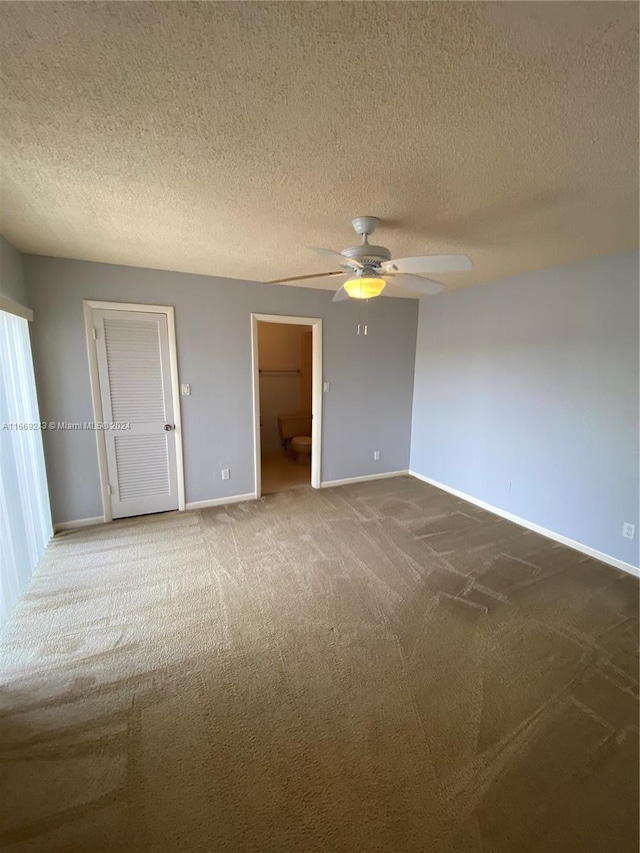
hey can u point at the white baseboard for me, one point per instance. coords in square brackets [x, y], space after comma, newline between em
[79, 522]
[329, 483]
[232, 499]
[536, 528]
[99, 519]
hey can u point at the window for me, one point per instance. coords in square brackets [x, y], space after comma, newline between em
[25, 516]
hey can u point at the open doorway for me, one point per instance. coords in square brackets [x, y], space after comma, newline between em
[287, 397]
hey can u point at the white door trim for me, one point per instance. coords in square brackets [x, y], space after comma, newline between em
[316, 393]
[88, 306]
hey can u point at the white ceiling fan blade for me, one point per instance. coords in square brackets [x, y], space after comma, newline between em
[428, 264]
[343, 260]
[421, 285]
[340, 295]
[302, 277]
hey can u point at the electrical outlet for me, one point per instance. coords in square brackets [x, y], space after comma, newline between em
[628, 530]
[226, 473]
[376, 455]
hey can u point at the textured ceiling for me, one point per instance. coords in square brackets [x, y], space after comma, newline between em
[225, 138]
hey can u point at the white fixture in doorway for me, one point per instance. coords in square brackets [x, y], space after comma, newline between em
[134, 380]
[316, 391]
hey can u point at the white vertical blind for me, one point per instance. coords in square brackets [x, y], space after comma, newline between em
[25, 516]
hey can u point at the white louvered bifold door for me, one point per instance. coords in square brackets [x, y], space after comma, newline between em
[135, 388]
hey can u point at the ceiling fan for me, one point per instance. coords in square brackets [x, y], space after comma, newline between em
[367, 270]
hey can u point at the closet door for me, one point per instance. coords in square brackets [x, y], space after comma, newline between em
[135, 389]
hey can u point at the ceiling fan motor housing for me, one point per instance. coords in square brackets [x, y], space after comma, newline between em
[370, 256]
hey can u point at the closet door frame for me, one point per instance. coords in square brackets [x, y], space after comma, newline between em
[89, 305]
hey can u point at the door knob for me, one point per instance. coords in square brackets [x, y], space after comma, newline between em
[168, 427]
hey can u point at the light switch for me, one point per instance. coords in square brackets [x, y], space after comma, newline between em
[185, 389]
[326, 386]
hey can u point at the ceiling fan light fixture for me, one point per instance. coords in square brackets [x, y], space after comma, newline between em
[364, 287]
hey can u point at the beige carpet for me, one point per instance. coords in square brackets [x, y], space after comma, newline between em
[377, 667]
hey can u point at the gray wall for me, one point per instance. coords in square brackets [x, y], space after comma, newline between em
[367, 409]
[526, 397]
[12, 283]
